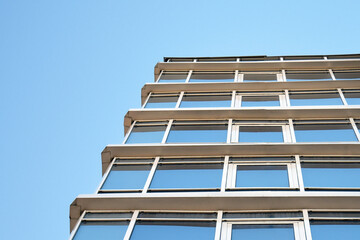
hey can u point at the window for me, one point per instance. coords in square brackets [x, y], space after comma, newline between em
[250, 59]
[259, 77]
[181, 60]
[198, 131]
[307, 76]
[315, 98]
[304, 58]
[260, 99]
[334, 230]
[162, 101]
[147, 132]
[347, 75]
[188, 174]
[352, 97]
[216, 60]
[173, 77]
[324, 131]
[193, 100]
[212, 77]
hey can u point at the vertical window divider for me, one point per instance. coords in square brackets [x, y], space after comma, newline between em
[224, 176]
[233, 99]
[279, 77]
[299, 173]
[332, 74]
[161, 73]
[356, 130]
[129, 131]
[240, 77]
[325, 58]
[307, 224]
[292, 131]
[188, 76]
[72, 235]
[343, 99]
[106, 174]
[287, 98]
[236, 75]
[284, 75]
[281, 59]
[147, 99]
[291, 168]
[218, 225]
[228, 137]
[151, 175]
[299, 230]
[179, 100]
[131, 225]
[166, 134]
[237, 59]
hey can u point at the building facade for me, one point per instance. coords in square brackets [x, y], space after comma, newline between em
[250, 147]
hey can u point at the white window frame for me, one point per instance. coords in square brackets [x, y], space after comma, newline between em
[239, 95]
[279, 76]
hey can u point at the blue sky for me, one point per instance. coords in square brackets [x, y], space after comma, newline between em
[70, 70]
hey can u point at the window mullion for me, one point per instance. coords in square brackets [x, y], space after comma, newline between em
[299, 173]
[356, 130]
[225, 173]
[332, 74]
[218, 225]
[342, 96]
[151, 175]
[229, 131]
[283, 75]
[292, 131]
[131, 225]
[106, 174]
[287, 98]
[307, 225]
[188, 76]
[236, 75]
[146, 101]
[181, 96]
[233, 99]
[129, 132]
[72, 235]
[161, 73]
[167, 131]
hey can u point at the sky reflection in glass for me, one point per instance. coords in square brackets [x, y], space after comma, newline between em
[261, 232]
[146, 134]
[260, 101]
[335, 231]
[325, 133]
[101, 230]
[124, 177]
[261, 134]
[262, 176]
[203, 133]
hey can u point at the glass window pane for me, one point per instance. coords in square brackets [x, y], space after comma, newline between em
[216, 60]
[173, 77]
[127, 177]
[146, 134]
[263, 231]
[161, 102]
[335, 231]
[240, 215]
[350, 75]
[352, 98]
[192, 101]
[212, 77]
[331, 175]
[262, 176]
[261, 134]
[174, 231]
[304, 58]
[315, 99]
[187, 176]
[324, 133]
[101, 230]
[197, 133]
[260, 101]
[260, 77]
[308, 76]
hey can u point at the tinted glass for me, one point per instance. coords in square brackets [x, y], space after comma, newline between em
[173, 77]
[307, 76]
[191, 101]
[146, 134]
[197, 133]
[173, 231]
[260, 77]
[324, 133]
[260, 101]
[355, 75]
[315, 99]
[212, 77]
[335, 231]
[331, 175]
[352, 98]
[263, 231]
[161, 102]
[262, 176]
[187, 176]
[216, 60]
[101, 230]
[261, 134]
[127, 177]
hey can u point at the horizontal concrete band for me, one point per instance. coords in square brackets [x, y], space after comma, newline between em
[214, 201]
[260, 65]
[231, 149]
[246, 86]
[253, 113]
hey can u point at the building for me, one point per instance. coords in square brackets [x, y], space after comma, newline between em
[251, 147]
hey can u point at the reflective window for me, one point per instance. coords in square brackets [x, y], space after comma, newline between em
[181, 176]
[250, 59]
[260, 134]
[127, 177]
[173, 77]
[304, 58]
[216, 60]
[335, 230]
[181, 59]
[263, 231]
[352, 97]
[259, 77]
[211, 131]
[315, 98]
[101, 230]
[262, 176]
[331, 132]
[308, 76]
[331, 175]
[143, 133]
[162, 101]
[158, 230]
[212, 77]
[347, 75]
[193, 100]
[260, 101]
